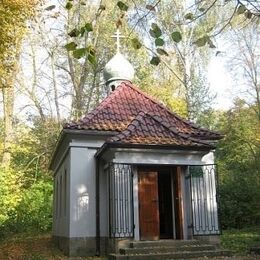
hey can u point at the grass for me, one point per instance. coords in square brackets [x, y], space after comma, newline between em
[240, 241]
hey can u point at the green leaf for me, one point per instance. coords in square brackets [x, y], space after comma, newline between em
[189, 16]
[176, 36]
[89, 27]
[202, 9]
[150, 7]
[241, 9]
[122, 6]
[155, 61]
[155, 31]
[136, 43]
[49, 8]
[159, 42]
[79, 53]
[70, 46]
[74, 33]
[82, 31]
[202, 41]
[152, 33]
[248, 14]
[162, 52]
[92, 59]
[69, 5]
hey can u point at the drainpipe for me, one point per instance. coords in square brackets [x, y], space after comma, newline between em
[97, 210]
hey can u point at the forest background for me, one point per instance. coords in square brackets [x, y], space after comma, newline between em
[52, 54]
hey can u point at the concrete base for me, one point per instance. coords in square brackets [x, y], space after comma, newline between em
[214, 240]
[80, 246]
[115, 243]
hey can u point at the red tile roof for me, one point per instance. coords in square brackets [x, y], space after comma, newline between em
[124, 104]
[152, 130]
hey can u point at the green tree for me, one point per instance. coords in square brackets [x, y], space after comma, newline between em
[13, 16]
[239, 167]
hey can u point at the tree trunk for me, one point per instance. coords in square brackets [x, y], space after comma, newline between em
[55, 87]
[8, 107]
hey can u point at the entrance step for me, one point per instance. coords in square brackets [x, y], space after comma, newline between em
[165, 243]
[168, 249]
[162, 249]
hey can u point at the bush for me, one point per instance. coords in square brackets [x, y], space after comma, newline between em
[10, 194]
[239, 200]
[33, 213]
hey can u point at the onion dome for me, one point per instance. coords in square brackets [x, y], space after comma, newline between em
[118, 69]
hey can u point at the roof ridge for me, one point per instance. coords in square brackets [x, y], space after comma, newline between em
[186, 121]
[127, 132]
[126, 129]
[175, 131]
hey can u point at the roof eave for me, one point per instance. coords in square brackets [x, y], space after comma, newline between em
[209, 138]
[108, 145]
[89, 132]
[65, 132]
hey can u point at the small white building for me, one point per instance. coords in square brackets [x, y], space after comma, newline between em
[132, 170]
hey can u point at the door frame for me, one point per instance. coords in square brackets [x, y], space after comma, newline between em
[176, 170]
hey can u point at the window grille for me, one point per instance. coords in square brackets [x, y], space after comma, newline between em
[121, 200]
[204, 199]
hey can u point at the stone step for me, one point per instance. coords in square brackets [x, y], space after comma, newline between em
[165, 249]
[171, 255]
[165, 243]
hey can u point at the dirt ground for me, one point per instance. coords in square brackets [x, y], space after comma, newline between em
[41, 248]
[33, 248]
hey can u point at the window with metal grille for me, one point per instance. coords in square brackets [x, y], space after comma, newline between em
[120, 200]
[204, 200]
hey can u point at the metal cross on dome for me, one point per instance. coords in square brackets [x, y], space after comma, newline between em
[117, 36]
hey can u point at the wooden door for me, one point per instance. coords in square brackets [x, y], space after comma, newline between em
[148, 205]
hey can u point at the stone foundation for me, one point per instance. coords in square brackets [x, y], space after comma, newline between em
[115, 243]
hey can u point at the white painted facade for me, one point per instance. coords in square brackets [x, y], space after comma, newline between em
[61, 211]
[76, 200]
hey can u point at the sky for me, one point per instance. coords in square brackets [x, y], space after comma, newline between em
[220, 83]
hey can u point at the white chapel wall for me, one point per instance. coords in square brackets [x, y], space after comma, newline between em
[61, 198]
[82, 190]
[208, 158]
